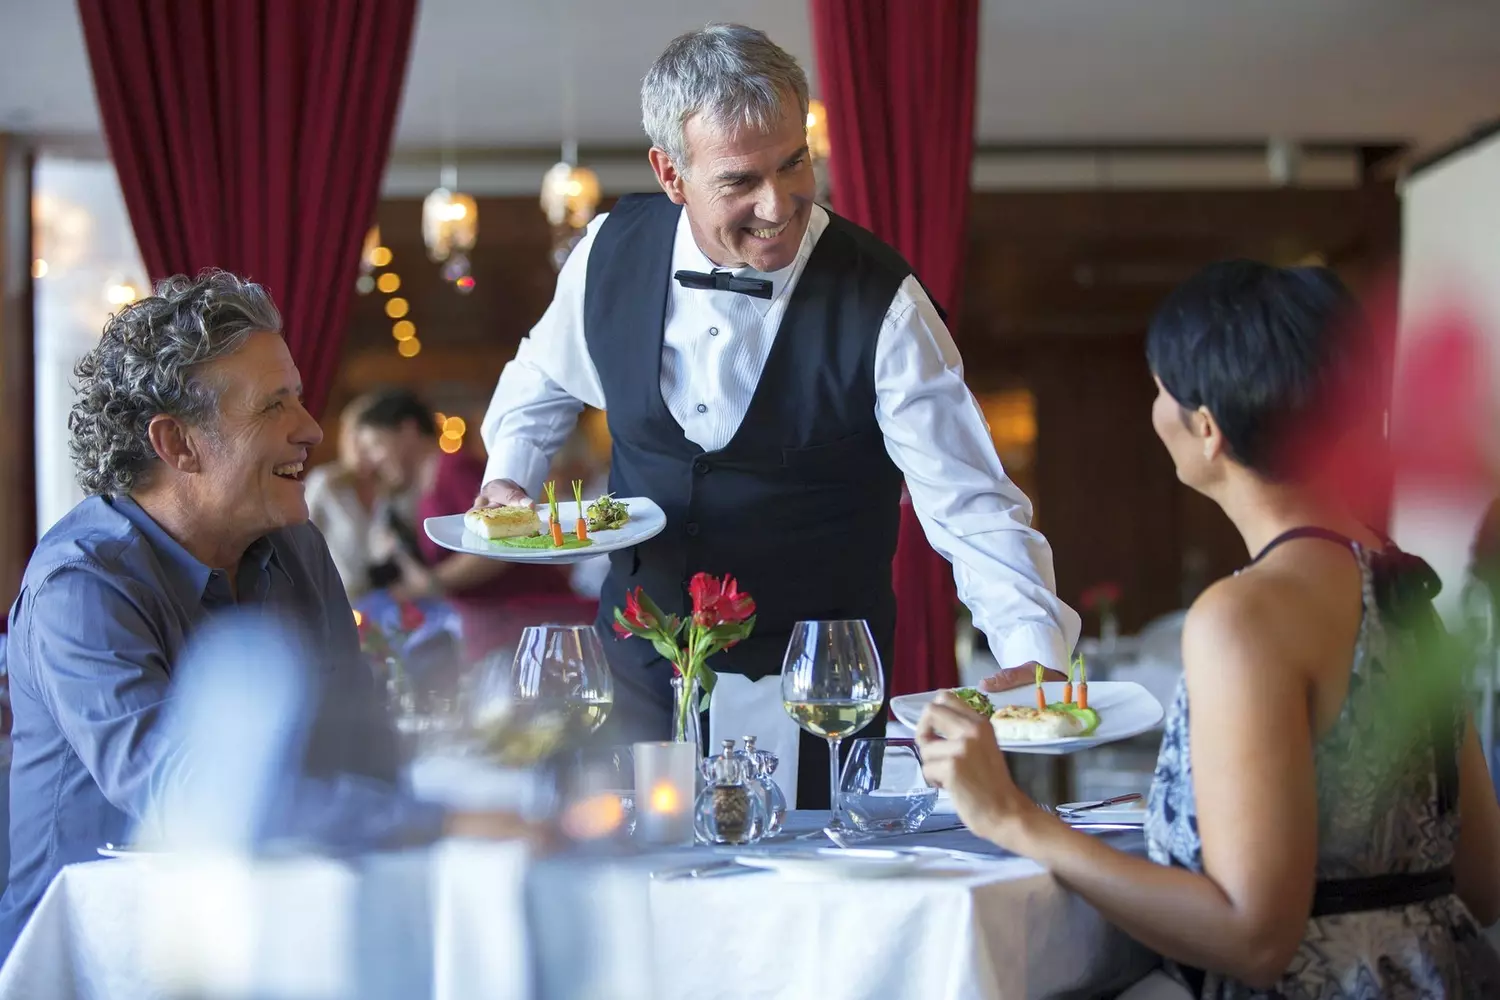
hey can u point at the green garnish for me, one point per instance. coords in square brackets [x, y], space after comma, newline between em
[975, 700]
[607, 512]
[578, 495]
[550, 489]
[1087, 716]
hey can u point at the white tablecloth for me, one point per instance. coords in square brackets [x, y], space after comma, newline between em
[473, 920]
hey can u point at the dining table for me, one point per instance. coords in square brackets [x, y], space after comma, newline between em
[614, 919]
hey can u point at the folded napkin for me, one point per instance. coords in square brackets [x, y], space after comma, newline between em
[741, 707]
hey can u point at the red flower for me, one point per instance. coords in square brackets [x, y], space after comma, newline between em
[718, 602]
[1100, 595]
[621, 631]
[637, 616]
[411, 617]
[734, 607]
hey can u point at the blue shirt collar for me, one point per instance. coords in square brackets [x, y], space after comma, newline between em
[187, 575]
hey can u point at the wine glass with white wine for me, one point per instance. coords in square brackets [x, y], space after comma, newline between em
[560, 692]
[832, 685]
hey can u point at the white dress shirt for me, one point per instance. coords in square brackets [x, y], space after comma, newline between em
[714, 347]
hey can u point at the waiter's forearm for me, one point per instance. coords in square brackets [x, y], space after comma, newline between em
[529, 417]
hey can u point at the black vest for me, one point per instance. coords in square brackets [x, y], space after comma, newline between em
[802, 505]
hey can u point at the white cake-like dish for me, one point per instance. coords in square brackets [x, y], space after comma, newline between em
[1019, 724]
[503, 522]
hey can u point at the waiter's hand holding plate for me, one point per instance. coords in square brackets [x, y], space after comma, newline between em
[502, 493]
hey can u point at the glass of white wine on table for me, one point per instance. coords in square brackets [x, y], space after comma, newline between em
[559, 692]
[832, 686]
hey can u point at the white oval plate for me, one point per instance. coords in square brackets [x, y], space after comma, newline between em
[1127, 814]
[1125, 709]
[830, 864]
[646, 521]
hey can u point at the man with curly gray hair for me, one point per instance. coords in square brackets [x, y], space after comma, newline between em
[772, 373]
[190, 437]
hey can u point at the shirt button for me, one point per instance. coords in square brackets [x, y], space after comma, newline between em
[692, 529]
[701, 468]
[702, 407]
[713, 331]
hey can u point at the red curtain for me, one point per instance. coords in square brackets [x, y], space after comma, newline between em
[251, 135]
[898, 82]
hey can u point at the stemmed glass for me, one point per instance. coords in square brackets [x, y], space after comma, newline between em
[560, 690]
[832, 685]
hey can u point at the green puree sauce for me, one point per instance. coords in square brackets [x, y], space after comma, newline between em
[570, 541]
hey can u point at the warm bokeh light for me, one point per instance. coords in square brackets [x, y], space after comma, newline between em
[397, 307]
[39, 268]
[595, 817]
[120, 295]
[454, 427]
[466, 283]
[388, 282]
[404, 329]
[664, 798]
[450, 445]
[380, 256]
[359, 619]
[409, 348]
[440, 419]
[817, 130]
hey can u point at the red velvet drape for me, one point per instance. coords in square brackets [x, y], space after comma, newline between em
[898, 82]
[251, 135]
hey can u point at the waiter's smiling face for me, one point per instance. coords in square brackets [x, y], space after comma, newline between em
[748, 193]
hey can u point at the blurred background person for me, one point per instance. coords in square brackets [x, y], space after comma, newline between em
[342, 497]
[494, 600]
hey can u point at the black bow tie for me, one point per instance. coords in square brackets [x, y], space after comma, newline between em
[725, 281]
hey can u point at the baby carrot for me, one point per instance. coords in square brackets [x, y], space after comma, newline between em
[550, 489]
[1068, 687]
[1041, 696]
[1083, 684]
[582, 528]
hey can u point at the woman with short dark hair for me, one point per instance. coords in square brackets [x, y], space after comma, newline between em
[1303, 823]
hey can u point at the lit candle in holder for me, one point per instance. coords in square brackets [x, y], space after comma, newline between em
[666, 776]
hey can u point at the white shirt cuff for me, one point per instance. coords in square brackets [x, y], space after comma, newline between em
[1025, 643]
[519, 461]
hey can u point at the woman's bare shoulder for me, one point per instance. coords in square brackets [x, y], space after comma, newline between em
[1294, 609]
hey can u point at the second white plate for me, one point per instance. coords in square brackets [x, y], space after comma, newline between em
[1125, 709]
[831, 864]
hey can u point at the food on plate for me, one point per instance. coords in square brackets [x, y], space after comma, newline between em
[1041, 695]
[503, 522]
[1087, 717]
[1022, 724]
[1083, 684]
[581, 526]
[606, 513]
[975, 699]
[553, 521]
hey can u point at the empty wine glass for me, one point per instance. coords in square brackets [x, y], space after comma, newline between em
[560, 690]
[832, 685]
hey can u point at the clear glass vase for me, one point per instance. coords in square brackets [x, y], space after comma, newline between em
[687, 726]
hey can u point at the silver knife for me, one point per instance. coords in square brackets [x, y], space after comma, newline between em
[1101, 804]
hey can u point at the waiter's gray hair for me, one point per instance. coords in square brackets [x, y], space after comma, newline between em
[150, 361]
[734, 76]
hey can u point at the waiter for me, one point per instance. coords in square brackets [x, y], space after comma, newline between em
[771, 372]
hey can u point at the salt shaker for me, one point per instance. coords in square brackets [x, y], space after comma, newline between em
[762, 766]
[731, 808]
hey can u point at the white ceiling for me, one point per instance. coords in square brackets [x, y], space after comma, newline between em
[1051, 70]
